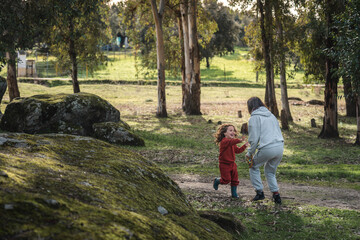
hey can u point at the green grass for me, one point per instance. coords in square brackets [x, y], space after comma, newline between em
[298, 223]
[231, 70]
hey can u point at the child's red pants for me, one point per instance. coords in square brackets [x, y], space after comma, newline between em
[229, 174]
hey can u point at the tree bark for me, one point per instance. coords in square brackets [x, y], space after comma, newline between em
[158, 16]
[266, 29]
[186, 87]
[330, 121]
[284, 120]
[73, 59]
[357, 142]
[284, 94]
[349, 99]
[195, 92]
[207, 62]
[11, 76]
[182, 61]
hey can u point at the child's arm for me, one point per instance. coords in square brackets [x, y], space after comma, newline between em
[242, 148]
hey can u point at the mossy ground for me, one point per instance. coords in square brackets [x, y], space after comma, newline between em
[68, 187]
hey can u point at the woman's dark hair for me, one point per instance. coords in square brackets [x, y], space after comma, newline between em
[254, 103]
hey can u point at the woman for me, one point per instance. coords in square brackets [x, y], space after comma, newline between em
[265, 137]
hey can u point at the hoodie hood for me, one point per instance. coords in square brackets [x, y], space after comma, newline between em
[262, 111]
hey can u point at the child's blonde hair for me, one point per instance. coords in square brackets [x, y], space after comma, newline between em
[220, 133]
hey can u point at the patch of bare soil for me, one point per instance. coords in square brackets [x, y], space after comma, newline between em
[200, 190]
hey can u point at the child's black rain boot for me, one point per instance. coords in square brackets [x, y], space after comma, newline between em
[216, 183]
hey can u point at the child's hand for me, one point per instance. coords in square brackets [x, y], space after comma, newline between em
[247, 144]
[242, 138]
[249, 160]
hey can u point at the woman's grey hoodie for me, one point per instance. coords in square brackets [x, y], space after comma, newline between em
[264, 131]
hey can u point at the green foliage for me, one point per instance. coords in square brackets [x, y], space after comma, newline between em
[226, 35]
[347, 50]
[312, 43]
[21, 24]
[81, 22]
[139, 21]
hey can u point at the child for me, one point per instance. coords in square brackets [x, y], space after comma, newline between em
[226, 138]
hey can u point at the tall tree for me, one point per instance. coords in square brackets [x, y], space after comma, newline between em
[330, 122]
[347, 52]
[184, 6]
[194, 81]
[158, 18]
[350, 98]
[317, 21]
[227, 33]
[280, 8]
[20, 25]
[266, 25]
[78, 28]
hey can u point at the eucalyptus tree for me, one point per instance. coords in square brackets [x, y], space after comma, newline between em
[284, 23]
[319, 31]
[191, 96]
[347, 52]
[78, 27]
[263, 10]
[20, 26]
[158, 13]
[141, 18]
[180, 34]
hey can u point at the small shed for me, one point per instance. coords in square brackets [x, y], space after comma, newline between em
[26, 68]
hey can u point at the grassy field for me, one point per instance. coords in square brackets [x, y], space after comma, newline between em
[232, 70]
[184, 144]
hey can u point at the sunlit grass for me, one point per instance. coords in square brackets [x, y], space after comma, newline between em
[233, 69]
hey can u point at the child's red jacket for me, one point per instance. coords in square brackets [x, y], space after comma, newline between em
[228, 149]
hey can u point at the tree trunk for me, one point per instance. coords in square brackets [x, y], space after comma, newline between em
[11, 76]
[194, 61]
[357, 142]
[330, 121]
[284, 94]
[207, 62]
[349, 99]
[158, 16]
[284, 120]
[186, 87]
[266, 34]
[73, 59]
[182, 63]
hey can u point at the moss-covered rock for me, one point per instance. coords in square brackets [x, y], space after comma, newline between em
[58, 186]
[117, 133]
[61, 113]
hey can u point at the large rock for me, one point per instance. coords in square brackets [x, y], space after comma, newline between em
[117, 133]
[61, 113]
[58, 186]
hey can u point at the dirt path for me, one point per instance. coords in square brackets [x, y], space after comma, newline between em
[200, 189]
